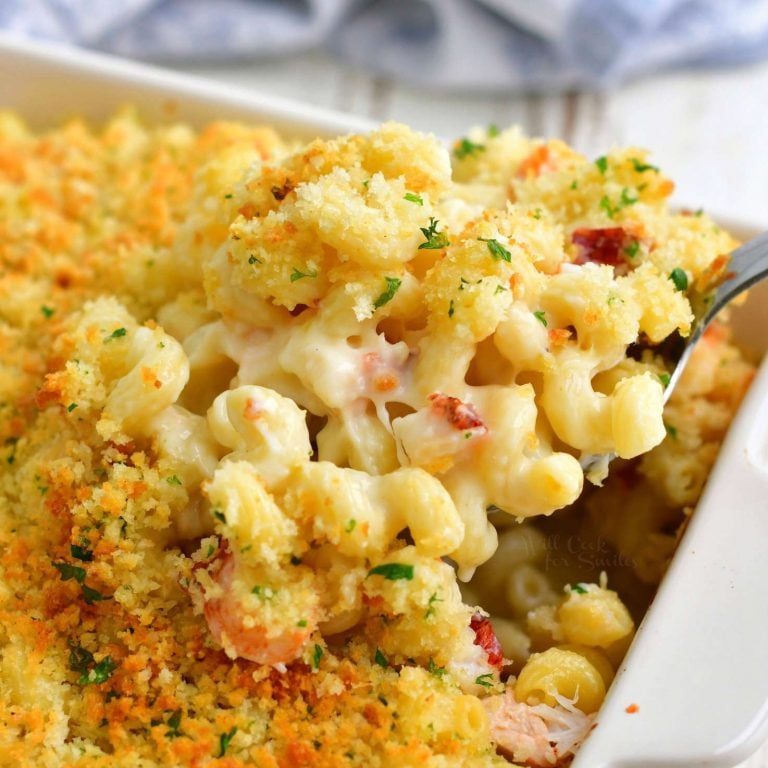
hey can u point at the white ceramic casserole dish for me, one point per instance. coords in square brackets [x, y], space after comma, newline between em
[696, 671]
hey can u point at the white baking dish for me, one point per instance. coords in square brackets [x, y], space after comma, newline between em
[696, 671]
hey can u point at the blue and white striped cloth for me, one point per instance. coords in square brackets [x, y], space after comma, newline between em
[471, 44]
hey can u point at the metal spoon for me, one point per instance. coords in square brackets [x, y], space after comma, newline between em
[748, 265]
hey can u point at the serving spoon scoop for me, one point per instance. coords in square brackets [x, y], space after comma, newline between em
[747, 265]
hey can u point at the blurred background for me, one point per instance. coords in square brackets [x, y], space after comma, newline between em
[687, 79]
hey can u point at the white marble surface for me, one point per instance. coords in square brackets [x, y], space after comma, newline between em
[707, 130]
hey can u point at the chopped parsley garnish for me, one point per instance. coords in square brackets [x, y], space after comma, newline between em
[451, 309]
[71, 407]
[485, 680]
[99, 673]
[81, 553]
[537, 214]
[350, 526]
[173, 480]
[493, 131]
[80, 659]
[68, 572]
[393, 571]
[393, 284]
[91, 673]
[539, 315]
[496, 249]
[602, 164]
[499, 289]
[298, 275]
[578, 588]
[301, 623]
[412, 197]
[48, 312]
[91, 595]
[253, 260]
[267, 593]
[671, 431]
[431, 610]
[625, 200]
[219, 516]
[380, 659]
[433, 669]
[228, 196]
[224, 740]
[574, 184]
[664, 379]
[640, 166]
[118, 333]
[465, 147]
[679, 278]
[632, 249]
[174, 725]
[434, 239]
[317, 655]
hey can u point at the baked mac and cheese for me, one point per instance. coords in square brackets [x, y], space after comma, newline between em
[281, 424]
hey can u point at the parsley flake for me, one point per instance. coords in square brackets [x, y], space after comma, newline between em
[485, 680]
[679, 278]
[219, 516]
[627, 199]
[298, 275]
[81, 553]
[174, 724]
[496, 249]
[381, 659]
[118, 333]
[393, 285]
[253, 260]
[393, 571]
[173, 480]
[301, 623]
[465, 148]
[431, 609]
[48, 312]
[433, 669]
[224, 740]
[412, 197]
[602, 164]
[317, 655]
[493, 131]
[434, 240]
[578, 588]
[671, 431]
[351, 523]
[664, 379]
[499, 289]
[91, 595]
[641, 167]
[539, 315]
[451, 309]
[82, 661]
[632, 249]
[71, 407]
[67, 572]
